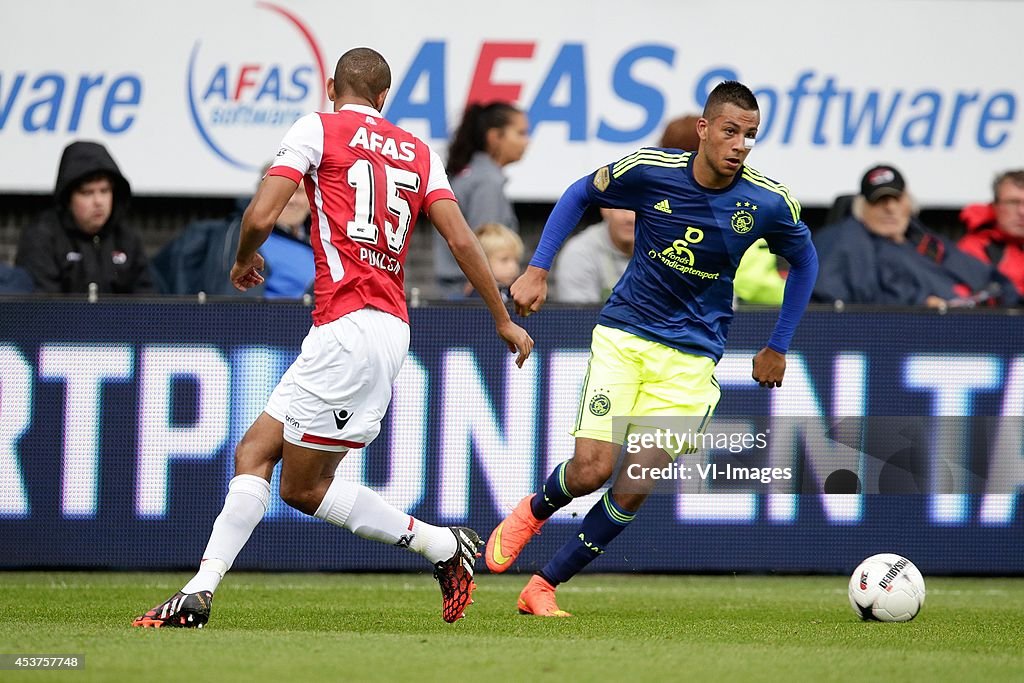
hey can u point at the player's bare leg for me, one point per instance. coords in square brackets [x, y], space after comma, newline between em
[260, 449]
[306, 475]
[592, 463]
[630, 492]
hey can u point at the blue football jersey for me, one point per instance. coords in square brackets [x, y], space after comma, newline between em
[678, 287]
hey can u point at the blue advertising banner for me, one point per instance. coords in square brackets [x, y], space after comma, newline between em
[118, 423]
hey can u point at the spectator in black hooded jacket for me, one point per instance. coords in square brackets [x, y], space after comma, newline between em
[84, 238]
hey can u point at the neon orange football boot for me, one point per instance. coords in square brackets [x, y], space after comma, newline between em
[538, 599]
[510, 537]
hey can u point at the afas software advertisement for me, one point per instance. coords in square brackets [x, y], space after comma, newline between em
[193, 97]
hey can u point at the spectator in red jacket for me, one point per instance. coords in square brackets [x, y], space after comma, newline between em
[995, 232]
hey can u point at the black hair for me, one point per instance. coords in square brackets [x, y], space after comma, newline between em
[729, 92]
[471, 135]
[362, 72]
[93, 176]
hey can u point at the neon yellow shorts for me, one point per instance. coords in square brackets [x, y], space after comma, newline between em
[635, 385]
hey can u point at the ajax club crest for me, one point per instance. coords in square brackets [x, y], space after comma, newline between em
[743, 218]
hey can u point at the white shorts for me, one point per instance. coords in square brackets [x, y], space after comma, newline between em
[335, 394]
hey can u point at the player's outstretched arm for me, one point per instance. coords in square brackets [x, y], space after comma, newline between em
[257, 224]
[530, 290]
[451, 224]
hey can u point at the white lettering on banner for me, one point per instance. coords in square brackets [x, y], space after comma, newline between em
[732, 371]
[486, 421]
[84, 368]
[565, 372]
[953, 380]
[691, 504]
[255, 372]
[15, 418]
[1005, 478]
[823, 453]
[408, 422]
[161, 441]
[505, 449]
[802, 422]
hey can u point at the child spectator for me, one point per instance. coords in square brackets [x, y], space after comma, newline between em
[504, 251]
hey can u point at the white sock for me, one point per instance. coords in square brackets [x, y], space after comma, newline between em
[244, 507]
[367, 515]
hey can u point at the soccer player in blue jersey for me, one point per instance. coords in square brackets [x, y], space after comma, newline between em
[663, 329]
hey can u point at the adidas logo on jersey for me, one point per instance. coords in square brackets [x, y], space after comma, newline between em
[663, 206]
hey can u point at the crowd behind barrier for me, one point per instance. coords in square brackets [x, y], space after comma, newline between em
[978, 263]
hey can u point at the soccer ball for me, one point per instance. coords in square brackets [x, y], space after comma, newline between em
[886, 587]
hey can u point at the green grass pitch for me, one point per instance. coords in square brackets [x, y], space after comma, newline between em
[352, 627]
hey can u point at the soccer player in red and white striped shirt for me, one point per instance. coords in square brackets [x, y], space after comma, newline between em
[367, 180]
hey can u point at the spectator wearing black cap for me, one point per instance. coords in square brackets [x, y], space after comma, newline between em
[83, 239]
[882, 254]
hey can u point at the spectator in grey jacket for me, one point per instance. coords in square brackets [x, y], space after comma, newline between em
[83, 239]
[592, 261]
[489, 138]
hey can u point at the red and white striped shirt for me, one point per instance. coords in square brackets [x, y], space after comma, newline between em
[367, 181]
